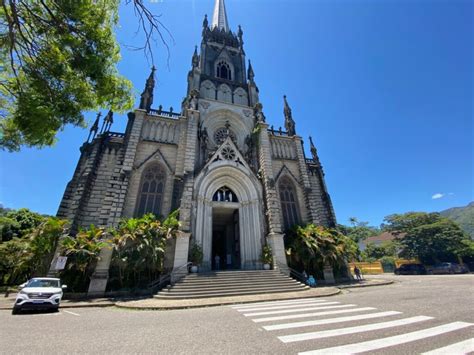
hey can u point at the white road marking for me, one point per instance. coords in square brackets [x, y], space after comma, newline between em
[463, 347]
[276, 303]
[74, 314]
[286, 306]
[300, 309]
[351, 330]
[389, 341]
[330, 320]
[314, 314]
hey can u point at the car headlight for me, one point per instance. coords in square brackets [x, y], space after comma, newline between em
[58, 293]
[24, 293]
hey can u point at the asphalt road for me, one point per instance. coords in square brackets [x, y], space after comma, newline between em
[414, 307]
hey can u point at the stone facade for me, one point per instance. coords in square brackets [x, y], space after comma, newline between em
[237, 182]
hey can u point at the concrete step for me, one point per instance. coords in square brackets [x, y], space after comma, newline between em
[285, 283]
[230, 280]
[234, 282]
[161, 295]
[231, 283]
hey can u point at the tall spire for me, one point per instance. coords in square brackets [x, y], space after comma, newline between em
[219, 19]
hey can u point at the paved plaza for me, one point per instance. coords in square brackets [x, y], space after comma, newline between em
[416, 314]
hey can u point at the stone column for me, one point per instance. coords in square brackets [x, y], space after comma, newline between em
[310, 202]
[185, 212]
[273, 210]
[180, 256]
[100, 276]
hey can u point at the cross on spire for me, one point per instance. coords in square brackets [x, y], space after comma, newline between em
[219, 19]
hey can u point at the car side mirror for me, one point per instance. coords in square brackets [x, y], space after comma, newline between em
[64, 287]
[23, 285]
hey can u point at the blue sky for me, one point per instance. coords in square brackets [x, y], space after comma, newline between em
[384, 87]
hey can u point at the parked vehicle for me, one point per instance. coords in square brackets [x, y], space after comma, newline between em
[410, 269]
[448, 268]
[39, 293]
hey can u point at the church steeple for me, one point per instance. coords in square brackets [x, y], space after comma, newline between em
[219, 19]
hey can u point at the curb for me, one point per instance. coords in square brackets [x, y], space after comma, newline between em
[221, 303]
[66, 305]
[383, 283]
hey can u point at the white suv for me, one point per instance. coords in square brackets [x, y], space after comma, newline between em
[39, 292]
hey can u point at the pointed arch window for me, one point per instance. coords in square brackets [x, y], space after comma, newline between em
[223, 71]
[224, 194]
[152, 186]
[289, 205]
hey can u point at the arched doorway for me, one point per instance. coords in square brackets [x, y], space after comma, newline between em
[242, 210]
[225, 230]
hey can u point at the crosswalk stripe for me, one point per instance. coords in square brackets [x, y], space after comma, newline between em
[330, 320]
[313, 314]
[276, 303]
[463, 347]
[300, 309]
[389, 341]
[265, 308]
[351, 330]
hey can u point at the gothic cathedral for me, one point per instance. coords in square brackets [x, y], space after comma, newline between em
[237, 182]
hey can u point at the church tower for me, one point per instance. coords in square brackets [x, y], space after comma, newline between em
[239, 184]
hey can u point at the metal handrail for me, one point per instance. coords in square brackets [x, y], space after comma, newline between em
[166, 279]
[296, 274]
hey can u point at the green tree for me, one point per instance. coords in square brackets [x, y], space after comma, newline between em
[374, 252]
[358, 231]
[9, 229]
[26, 219]
[139, 248]
[83, 251]
[31, 255]
[429, 236]
[58, 59]
[311, 247]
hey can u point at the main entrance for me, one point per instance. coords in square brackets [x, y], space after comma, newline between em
[228, 216]
[225, 238]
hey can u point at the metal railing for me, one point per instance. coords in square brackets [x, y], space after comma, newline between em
[293, 273]
[162, 113]
[169, 278]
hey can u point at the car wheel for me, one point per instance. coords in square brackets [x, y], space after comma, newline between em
[397, 272]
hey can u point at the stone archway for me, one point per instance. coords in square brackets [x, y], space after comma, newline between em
[249, 205]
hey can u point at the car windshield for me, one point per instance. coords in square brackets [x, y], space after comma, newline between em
[43, 283]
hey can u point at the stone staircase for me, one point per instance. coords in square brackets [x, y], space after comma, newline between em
[231, 283]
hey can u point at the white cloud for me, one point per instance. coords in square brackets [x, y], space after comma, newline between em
[437, 196]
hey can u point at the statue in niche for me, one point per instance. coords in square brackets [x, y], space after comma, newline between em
[259, 113]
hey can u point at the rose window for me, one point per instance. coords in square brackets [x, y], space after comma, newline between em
[221, 134]
[228, 153]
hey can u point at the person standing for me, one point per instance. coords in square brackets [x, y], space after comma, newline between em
[217, 262]
[357, 273]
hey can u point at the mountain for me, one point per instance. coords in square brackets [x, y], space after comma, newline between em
[464, 216]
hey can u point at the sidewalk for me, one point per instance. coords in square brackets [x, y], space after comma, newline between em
[6, 303]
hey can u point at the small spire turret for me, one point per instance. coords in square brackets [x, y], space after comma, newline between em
[250, 73]
[314, 151]
[94, 127]
[146, 99]
[195, 61]
[289, 122]
[240, 34]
